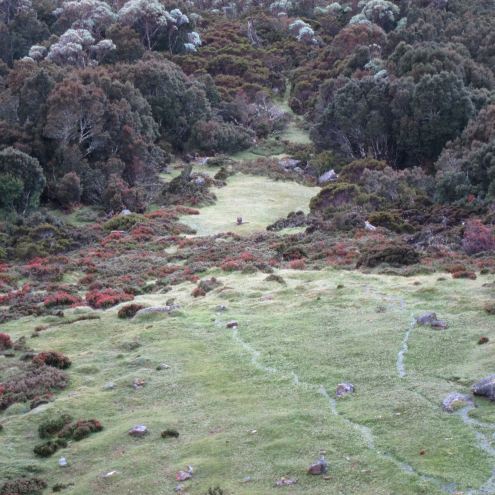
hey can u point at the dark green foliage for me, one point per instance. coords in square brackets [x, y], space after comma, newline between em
[24, 180]
[334, 196]
[214, 136]
[400, 121]
[123, 222]
[391, 221]
[466, 166]
[11, 189]
[223, 174]
[395, 254]
[69, 189]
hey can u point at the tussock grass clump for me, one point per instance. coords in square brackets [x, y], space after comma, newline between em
[80, 429]
[52, 426]
[170, 433]
[49, 448]
[275, 278]
[490, 308]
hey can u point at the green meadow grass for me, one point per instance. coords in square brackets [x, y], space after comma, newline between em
[260, 202]
[223, 384]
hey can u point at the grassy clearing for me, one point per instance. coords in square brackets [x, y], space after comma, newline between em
[219, 388]
[272, 200]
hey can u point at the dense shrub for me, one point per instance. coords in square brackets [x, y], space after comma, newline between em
[106, 298]
[129, 310]
[123, 222]
[69, 189]
[80, 429]
[391, 221]
[297, 265]
[49, 448]
[478, 237]
[61, 298]
[25, 177]
[464, 274]
[5, 342]
[31, 382]
[23, 486]
[52, 358]
[50, 427]
[392, 253]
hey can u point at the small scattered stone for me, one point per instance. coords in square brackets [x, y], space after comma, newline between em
[162, 366]
[221, 308]
[485, 387]
[247, 479]
[109, 474]
[285, 481]
[138, 431]
[344, 389]
[232, 324]
[426, 318]
[62, 462]
[442, 325]
[184, 475]
[138, 383]
[319, 467]
[328, 176]
[156, 310]
[109, 386]
[431, 319]
[455, 401]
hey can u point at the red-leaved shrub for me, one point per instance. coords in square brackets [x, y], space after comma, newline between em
[477, 237]
[297, 265]
[231, 266]
[5, 342]
[106, 298]
[464, 274]
[61, 298]
[32, 383]
[53, 359]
